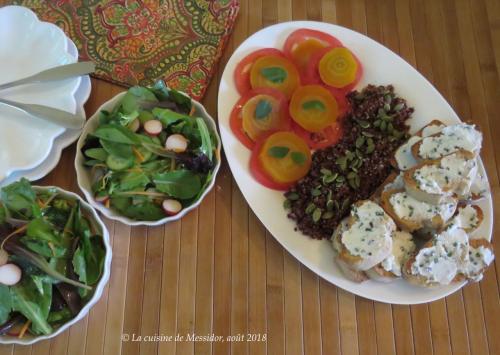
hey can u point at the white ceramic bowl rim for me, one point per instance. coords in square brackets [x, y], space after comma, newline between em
[97, 222]
[83, 175]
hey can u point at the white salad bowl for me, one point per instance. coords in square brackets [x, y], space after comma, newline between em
[28, 46]
[99, 226]
[85, 181]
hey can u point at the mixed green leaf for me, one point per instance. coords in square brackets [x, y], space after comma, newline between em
[133, 170]
[56, 248]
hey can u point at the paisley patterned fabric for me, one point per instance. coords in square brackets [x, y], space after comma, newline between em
[135, 42]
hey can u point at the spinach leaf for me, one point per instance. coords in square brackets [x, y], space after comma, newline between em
[88, 260]
[117, 134]
[42, 238]
[133, 180]
[5, 304]
[19, 198]
[119, 149]
[167, 116]
[44, 248]
[144, 211]
[34, 305]
[59, 317]
[97, 153]
[182, 184]
[134, 96]
[206, 140]
[164, 93]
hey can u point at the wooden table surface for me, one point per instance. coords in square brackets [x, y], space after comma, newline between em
[219, 272]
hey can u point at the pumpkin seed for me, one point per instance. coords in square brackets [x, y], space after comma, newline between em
[325, 171]
[388, 98]
[287, 204]
[377, 123]
[342, 162]
[310, 208]
[351, 175]
[328, 179]
[316, 215]
[329, 196]
[397, 134]
[360, 141]
[337, 206]
[328, 215]
[315, 192]
[383, 125]
[329, 205]
[293, 196]
[367, 134]
[399, 107]
[364, 124]
[340, 178]
[345, 204]
[370, 149]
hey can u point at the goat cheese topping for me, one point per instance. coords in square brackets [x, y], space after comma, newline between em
[466, 218]
[479, 259]
[370, 230]
[407, 207]
[451, 139]
[432, 129]
[453, 175]
[404, 157]
[396, 184]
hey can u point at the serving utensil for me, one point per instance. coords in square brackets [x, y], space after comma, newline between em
[59, 117]
[58, 73]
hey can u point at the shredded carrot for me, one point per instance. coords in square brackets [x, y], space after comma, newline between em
[51, 246]
[138, 154]
[24, 329]
[107, 203]
[193, 110]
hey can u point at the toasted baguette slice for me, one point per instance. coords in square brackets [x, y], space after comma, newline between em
[411, 214]
[365, 239]
[434, 180]
[481, 255]
[479, 190]
[452, 138]
[441, 261]
[468, 217]
[353, 275]
[403, 158]
[389, 269]
[433, 127]
[393, 182]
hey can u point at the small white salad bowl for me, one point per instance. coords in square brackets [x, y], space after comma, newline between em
[85, 181]
[98, 226]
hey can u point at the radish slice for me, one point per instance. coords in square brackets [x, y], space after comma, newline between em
[176, 143]
[102, 199]
[4, 257]
[171, 207]
[153, 127]
[134, 125]
[10, 274]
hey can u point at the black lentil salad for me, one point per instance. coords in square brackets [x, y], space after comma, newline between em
[351, 170]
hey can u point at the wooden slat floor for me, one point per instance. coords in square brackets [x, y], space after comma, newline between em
[219, 271]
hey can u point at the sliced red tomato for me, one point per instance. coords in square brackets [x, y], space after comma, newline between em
[313, 107]
[279, 160]
[259, 112]
[275, 72]
[336, 67]
[319, 140]
[303, 43]
[242, 71]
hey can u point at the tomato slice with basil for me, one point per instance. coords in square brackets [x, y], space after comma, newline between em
[259, 112]
[303, 43]
[242, 71]
[319, 140]
[336, 67]
[329, 135]
[313, 107]
[279, 160]
[275, 72]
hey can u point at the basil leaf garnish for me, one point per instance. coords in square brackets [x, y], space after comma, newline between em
[298, 158]
[278, 152]
[276, 75]
[263, 109]
[314, 105]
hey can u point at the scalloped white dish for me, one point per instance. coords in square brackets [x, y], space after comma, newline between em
[28, 46]
[99, 226]
[64, 140]
[382, 67]
[84, 179]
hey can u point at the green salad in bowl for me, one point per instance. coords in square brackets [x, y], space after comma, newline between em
[54, 261]
[148, 156]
